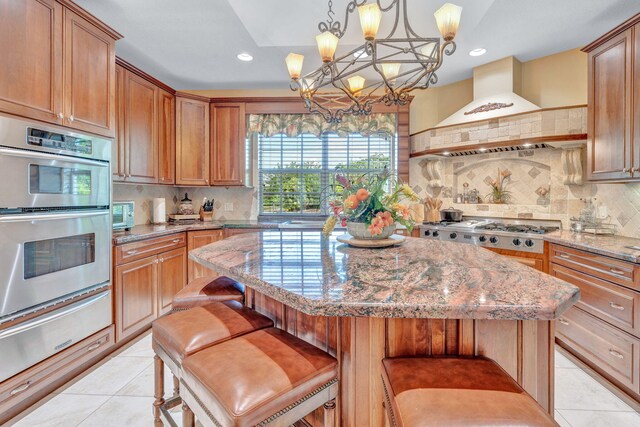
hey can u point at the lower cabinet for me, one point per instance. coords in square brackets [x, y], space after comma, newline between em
[197, 239]
[144, 288]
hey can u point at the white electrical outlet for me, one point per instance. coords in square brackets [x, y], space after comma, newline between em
[228, 207]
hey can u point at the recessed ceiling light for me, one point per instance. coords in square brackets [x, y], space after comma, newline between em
[360, 54]
[478, 52]
[527, 144]
[445, 153]
[245, 57]
[482, 149]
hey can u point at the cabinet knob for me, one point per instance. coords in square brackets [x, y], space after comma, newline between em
[564, 322]
[71, 118]
[632, 170]
[60, 116]
[625, 170]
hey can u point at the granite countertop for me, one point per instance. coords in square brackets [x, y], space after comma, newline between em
[142, 232]
[421, 278]
[613, 246]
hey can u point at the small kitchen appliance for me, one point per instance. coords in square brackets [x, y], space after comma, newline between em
[122, 215]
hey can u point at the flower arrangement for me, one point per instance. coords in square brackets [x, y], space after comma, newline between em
[364, 200]
[499, 193]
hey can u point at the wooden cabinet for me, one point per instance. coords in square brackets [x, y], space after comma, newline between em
[89, 76]
[529, 259]
[613, 149]
[141, 140]
[197, 239]
[118, 164]
[228, 132]
[58, 65]
[192, 142]
[166, 137]
[31, 66]
[603, 328]
[147, 275]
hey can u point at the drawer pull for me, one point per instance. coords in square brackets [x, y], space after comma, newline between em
[616, 354]
[616, 271]
[20, 388]
[564, 322]
[94, 346]
[565, 256]
[616, 306]
[177, 240]
[131, 252]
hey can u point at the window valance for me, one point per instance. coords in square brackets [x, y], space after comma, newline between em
[296, 124]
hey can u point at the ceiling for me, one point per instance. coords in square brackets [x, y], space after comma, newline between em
[192, 44]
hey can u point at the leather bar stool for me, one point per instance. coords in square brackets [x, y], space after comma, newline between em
[265, 378]
[203, 290]
[456, 391]
[183, 333]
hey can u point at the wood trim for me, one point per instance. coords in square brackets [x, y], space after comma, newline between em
[92, 19]
[502, 117]
[192, 96]
[635, 19]
[500, 144]
[137, 71]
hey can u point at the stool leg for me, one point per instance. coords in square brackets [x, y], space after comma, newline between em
[158, 380]
[188, 419]
[330, 413]
[176, 386]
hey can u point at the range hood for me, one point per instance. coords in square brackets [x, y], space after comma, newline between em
[496, 88]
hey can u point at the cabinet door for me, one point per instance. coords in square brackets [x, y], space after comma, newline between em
[166, 137]
[172, 276]
[228, 144]
[192, 142]
[118, 146]
[197, 239]
[136, 296]
[89, 77]
[636, 103]
[610, 74]
[31, 52]
[140, 129]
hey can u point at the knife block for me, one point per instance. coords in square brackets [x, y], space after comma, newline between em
[205, 216]
[432, 215]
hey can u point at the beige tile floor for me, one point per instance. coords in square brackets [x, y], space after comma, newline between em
[119, 393]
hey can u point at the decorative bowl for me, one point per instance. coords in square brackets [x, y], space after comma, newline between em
[360, 231]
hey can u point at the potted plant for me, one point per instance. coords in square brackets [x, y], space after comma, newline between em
[499, 193]
[370, 205]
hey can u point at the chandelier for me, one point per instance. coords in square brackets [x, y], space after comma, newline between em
[394, 66]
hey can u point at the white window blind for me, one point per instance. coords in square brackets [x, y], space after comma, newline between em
[295, 173]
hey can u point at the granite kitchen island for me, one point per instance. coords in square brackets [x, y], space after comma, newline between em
[423, 297]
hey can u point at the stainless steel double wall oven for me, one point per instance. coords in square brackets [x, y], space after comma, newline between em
[55, 241]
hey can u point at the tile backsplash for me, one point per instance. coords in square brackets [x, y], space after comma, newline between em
[243, 201]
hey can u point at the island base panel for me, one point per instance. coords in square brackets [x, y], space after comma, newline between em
[524, 349]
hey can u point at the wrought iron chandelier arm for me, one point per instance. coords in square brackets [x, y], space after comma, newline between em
[336, 27]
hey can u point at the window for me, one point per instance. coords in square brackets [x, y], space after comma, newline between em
[295, 172]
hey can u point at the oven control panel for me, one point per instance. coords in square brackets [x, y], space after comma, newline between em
[59, 141]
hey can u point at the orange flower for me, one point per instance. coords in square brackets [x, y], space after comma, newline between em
[351, 202]
[402, 211]
[362, 194]
[385, 217]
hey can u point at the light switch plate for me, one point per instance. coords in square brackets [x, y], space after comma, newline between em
[228, 207]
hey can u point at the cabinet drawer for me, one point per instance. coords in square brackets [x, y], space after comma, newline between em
[228, 232]
[607, 301]
[24, 389]
[138, 250]
[606, 348]
[620, 272]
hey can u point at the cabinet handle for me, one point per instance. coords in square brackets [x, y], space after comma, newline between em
[632, 170]
[564, 322]
[616, 354]
[565, 256]
[20, 388]
[94, 346]
[625, 170]
[177, 240]
[616, 306]
[131, 252]
[60, 116]
[616, 271]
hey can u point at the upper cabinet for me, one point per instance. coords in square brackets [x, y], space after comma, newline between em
[613, 150]
[60, 68]
[228, 144]
[192, 141]
[166, 137]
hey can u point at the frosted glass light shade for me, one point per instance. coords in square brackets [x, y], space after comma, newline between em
[370, 17]
[327, 45]
[294, 65]
[308, 85]
[356, 84]
[391, 70]
[448, 20]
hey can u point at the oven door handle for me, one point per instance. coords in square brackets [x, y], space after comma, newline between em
[46, 156]
[72, 308]
[47, 217]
